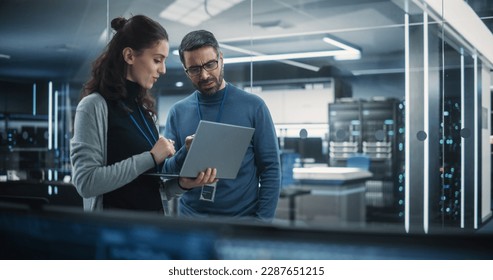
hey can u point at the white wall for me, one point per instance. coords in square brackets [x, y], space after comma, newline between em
[299, 106]
[302, 108]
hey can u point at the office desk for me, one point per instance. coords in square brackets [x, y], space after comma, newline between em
[37, 193]
[325, 196]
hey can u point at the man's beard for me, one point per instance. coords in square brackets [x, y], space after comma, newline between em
[215, 87]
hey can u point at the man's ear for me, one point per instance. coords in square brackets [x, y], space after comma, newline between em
[128, 55]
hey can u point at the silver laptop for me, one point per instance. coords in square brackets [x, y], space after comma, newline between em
[217, 145]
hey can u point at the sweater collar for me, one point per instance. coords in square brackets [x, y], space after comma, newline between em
[133, 90]
[216, 97]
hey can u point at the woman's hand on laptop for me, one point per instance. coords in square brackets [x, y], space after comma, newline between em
[205, 177]
[163, 149]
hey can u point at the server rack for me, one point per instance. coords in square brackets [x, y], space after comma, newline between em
[450, 158]
[372, 128]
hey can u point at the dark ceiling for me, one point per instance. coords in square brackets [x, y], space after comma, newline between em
[58, 39]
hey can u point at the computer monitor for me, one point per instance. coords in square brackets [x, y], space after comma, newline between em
[308, 148]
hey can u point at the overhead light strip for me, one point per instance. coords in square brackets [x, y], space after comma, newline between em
[346, 53]
[289, 62]
[284, 56]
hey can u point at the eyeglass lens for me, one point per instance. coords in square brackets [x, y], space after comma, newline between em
[209, 66]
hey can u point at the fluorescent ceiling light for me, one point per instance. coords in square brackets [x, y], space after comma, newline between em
[348, 56]
[351, 52]
[345, 52]
[194, 12]
[283, 56]
[336, 43]
[293, 63]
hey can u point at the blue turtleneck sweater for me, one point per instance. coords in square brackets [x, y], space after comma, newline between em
[255, 191]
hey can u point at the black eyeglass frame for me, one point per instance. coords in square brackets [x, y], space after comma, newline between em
[203, 66]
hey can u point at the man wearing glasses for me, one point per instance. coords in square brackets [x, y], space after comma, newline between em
[255, 191]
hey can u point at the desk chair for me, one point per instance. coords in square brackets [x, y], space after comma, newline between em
[358, 161]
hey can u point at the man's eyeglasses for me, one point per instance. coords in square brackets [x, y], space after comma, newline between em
[196, 70]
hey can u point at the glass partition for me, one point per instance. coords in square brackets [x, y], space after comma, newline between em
[466, 110]
[453, 124]
[336, 90]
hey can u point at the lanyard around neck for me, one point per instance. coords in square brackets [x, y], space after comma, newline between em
[221, 107]
[142, 131]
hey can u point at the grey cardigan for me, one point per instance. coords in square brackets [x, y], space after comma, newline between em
[90, 174]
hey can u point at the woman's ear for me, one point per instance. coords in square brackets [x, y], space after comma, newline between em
[128, 55]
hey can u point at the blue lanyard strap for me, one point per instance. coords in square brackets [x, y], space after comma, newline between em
[154, 137]
[221, 107]
[142, 131]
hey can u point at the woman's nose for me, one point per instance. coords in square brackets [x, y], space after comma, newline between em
[162, 69]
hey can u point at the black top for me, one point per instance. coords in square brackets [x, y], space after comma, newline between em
[125, 139]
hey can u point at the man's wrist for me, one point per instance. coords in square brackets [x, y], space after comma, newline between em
[181, 187]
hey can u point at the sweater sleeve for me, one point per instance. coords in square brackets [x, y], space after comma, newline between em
[174, 164]
[268, 162]
[171, 189]
[91, 176]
